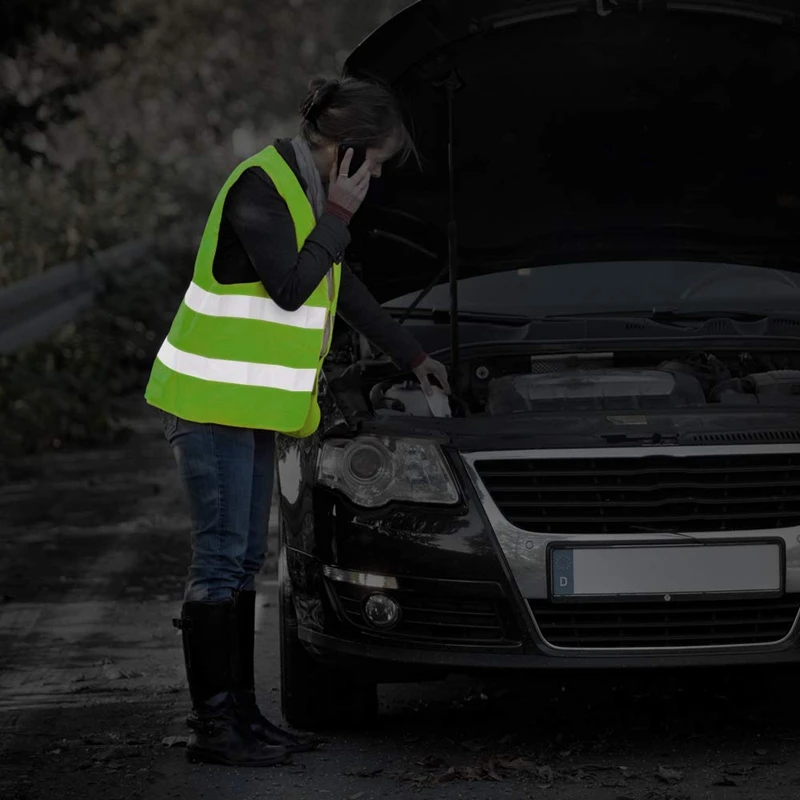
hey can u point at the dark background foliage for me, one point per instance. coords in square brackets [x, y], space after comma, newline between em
[120, 118]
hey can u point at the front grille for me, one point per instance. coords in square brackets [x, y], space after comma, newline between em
[648, 494]
[660, 624]
[434, 619]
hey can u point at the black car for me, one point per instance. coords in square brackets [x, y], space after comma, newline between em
[601, 241]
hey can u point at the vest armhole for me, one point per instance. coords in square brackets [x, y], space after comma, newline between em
[231, 263]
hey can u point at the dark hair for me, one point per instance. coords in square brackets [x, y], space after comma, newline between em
[354, 110]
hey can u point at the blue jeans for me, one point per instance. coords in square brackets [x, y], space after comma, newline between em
[227, 476]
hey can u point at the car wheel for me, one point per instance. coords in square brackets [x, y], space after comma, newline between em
[315, 696]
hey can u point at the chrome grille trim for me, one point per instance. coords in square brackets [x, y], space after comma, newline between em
[525, 552]
[604, 622]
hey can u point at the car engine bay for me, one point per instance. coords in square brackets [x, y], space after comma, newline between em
[600, 382]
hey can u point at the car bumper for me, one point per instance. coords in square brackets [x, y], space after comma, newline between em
[384, 659]
[480, 592]
[465, 626]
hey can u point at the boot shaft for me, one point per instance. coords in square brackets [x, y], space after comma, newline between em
[242, 664]
[209, 640]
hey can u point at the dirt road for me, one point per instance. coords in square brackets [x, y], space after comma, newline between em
[93, 549]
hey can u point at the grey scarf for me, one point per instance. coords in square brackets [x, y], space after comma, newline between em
[318, 200]
[310, 173]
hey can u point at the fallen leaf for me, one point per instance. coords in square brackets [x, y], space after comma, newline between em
[547, 775]
[448, 776]
[738, 769]
[114, 673]
[669, 775]
[631, 776]
[431, 762]
[356, 796]
[726, 781]
[175, 741]
[473, 746]
[491, 772]
[519, 765]
[575, 777]
[365, 773]
[469, 773]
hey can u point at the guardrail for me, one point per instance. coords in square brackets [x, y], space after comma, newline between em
[36, 307]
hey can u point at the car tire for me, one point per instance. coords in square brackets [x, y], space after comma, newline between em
[315, 696]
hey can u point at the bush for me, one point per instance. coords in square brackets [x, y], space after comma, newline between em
[71, 389]
[204, 85]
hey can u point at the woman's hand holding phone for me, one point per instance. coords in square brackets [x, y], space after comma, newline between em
[348, 191]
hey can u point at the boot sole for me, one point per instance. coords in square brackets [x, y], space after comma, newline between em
[195, 757]
[303, 748]
[292, 749]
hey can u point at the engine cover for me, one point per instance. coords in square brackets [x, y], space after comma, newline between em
[779, 387]
[596, 390]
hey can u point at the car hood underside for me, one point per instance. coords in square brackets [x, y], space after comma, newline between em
[586, 132]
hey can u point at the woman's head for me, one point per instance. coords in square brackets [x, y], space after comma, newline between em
[352, 110]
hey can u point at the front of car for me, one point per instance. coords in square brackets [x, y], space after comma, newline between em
[616, 481]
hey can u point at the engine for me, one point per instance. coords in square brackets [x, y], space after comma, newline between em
[596, 390]
[603, 383]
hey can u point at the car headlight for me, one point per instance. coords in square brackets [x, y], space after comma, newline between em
[373, 472]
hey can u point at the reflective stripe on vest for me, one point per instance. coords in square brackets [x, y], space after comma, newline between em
[242, 373]
[244, 307]
[232, 355]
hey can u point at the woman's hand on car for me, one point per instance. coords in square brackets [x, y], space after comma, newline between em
[348, 191]
[430, 367]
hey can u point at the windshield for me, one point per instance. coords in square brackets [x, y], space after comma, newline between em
[622, 286]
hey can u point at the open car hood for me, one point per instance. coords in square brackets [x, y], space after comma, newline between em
[586, 131]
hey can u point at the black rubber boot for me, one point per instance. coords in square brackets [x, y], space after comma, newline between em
[219, 736]
[244, 682]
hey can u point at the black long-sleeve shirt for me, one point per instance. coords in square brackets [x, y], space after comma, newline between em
[257, 241]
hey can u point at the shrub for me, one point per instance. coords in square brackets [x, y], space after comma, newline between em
[71, 389]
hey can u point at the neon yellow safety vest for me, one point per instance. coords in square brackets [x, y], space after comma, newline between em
[232, 355]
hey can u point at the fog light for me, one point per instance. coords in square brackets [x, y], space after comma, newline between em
[381, 611]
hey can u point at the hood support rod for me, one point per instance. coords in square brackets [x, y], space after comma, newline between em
[451, 85]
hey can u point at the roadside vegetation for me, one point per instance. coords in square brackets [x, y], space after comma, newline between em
[118, 118]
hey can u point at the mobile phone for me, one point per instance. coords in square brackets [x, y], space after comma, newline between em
[359, 156]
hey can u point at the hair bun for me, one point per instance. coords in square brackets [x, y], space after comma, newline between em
[320, 93]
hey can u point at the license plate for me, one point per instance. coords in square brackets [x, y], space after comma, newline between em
[666, 569]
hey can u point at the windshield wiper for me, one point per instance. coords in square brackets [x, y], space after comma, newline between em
[423, 293]
[740, 314]
[443, 315]
[664, 316]
[669, 314]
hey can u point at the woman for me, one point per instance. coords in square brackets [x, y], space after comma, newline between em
[242, 361]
